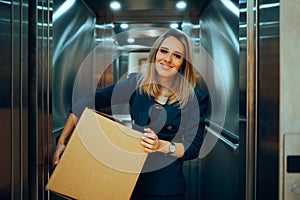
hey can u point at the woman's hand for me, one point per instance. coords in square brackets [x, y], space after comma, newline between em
[63, 138]
[57, 154]
[150, 141]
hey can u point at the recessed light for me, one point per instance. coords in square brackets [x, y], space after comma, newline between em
[124, 26]
[181, 4]
[115, 5]
[173, 25]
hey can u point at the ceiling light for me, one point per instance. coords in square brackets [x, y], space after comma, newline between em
[124, 26]
[174, 25]
[181, 5]
[115, 5]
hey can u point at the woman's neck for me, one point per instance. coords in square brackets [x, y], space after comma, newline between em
[165, 83]
[163, 97]
[164, 91]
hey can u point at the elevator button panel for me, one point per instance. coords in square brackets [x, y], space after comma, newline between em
[291, 167]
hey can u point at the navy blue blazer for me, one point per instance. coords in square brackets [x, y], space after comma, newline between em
[162, 174]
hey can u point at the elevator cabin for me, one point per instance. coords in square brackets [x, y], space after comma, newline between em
[52, 49]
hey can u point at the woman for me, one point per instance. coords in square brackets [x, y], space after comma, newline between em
[165, 106]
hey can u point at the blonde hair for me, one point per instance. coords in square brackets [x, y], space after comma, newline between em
[184, 81]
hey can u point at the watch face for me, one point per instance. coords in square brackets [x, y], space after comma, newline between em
[172, 148]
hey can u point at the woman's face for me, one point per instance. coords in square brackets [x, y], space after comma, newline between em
[169, 57]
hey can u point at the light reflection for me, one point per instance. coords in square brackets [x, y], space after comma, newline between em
[62, 9]
[231, 6]
[104, 26]
[6, 2]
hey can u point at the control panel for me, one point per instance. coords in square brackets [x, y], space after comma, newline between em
[291, 167]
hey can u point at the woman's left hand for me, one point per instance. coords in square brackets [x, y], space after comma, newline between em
[150, 141]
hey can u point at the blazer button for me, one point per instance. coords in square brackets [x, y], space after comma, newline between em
[169, 127]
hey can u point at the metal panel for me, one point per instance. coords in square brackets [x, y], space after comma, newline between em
[268, 100]
[39, 100]
[5, 103]
[251, 100]
[220, 174]
[25, 111]
[14, 93]
[262, 99]
[73, 38]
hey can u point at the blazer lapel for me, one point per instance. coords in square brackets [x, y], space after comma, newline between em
[145, 103]
[172, 111]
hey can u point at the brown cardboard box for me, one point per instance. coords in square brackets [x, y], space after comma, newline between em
[102, 160]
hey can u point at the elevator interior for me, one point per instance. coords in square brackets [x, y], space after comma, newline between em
[213, 27]
[45, 43]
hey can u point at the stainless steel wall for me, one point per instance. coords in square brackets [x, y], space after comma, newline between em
[267, 99]
[25, 62]
[35, 82]
[219, 29]
[219, 36]
[220, 174]
[73, 38]
[14, 107]
[262, 132]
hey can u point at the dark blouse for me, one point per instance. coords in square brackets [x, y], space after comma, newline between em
[162, 174]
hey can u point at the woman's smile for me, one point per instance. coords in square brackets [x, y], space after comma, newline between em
[165, 67]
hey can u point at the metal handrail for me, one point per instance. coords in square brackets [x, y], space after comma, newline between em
[234, 147]
[224, 131]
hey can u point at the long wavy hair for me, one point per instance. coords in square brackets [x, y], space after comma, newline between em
[183, 82]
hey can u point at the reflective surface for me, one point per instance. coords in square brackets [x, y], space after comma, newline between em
[25, 113]
[268, 100]
[73, 29]
[39, 61]
[216, 46]
[219, 36]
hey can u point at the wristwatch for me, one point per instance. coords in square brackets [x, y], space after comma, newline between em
[172, 148]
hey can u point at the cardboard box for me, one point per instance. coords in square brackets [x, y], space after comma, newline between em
[102, 160]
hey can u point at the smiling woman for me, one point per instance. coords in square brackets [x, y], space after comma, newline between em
[166, 107]
[170, 60]
[143, 19]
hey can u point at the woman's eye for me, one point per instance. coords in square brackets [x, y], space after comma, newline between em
[163, 51]
[177, 56]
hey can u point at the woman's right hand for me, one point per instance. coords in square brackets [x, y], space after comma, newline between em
[57, 154]
[66, 132]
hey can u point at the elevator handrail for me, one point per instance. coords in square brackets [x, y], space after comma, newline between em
[229, 134]
[234, 147]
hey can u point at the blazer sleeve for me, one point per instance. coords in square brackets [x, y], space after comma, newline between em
[194, 124]
[117, 93]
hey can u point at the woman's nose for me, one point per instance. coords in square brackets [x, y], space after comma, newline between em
[168, 57]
